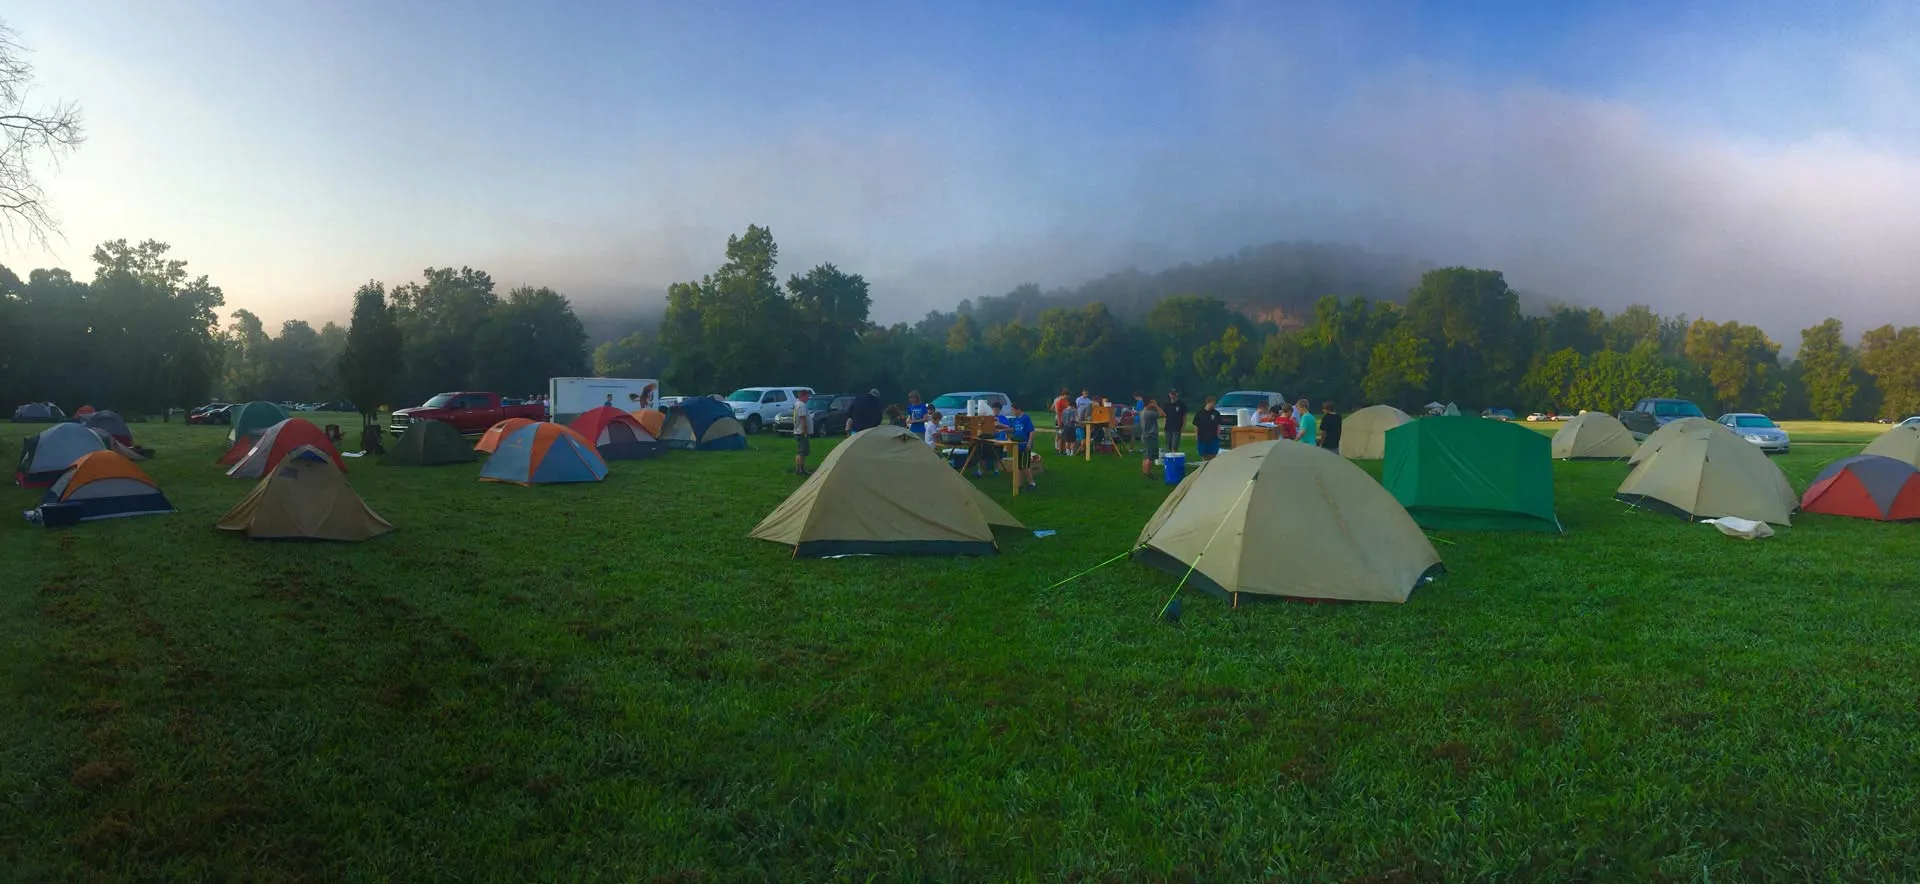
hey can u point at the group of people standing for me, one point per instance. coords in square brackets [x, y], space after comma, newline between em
[1149, 415]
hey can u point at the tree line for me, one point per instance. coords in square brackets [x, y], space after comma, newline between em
[143, 335]
[1459, 335]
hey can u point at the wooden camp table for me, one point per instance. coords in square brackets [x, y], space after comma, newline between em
[1248, 435]
[984, 430]
[1101, 417]
[1009, 451]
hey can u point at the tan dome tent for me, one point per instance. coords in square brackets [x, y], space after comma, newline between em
[1673, 430]
[1342, 535]
[1707, 472]
[885, 492]
[1363, 434]
[304, 497]
[1899, 443]
[1594, 436]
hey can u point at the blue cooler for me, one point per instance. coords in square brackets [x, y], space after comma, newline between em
[1175, 467]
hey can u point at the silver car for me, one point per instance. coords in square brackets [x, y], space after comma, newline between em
[1758, 429]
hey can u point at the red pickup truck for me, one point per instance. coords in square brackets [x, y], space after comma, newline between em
[470, 413]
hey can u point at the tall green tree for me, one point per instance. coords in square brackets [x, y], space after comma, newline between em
[1740, 363]
[1400, 369]
[1472, 321]
[442, 319]
[1826, 370]
[531, 336]
[371, 362]
[830, 311]
[1892, 357]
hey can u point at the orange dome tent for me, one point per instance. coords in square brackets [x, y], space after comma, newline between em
[281, 438]
[544, 453]
[651, 419]
[100, 485]
[83, 411]
[615, 434]
[491, 439]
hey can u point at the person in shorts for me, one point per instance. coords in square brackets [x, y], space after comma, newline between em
[1020, 428]
[1148, 420]
[802, 433]
[1206, 429]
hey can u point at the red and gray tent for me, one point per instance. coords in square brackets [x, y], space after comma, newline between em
[1866, 486]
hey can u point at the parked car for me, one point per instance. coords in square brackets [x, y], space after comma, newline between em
[1648, 415]
[756, 407]
[830, 413]
[1230, 404]
[1537, 416]
[218, 413]
[1758, 429]
[470, 413]
[1911, 422]
[952, 404]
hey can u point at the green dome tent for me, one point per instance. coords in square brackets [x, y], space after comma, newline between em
[428, 443]
[253, 419]
[1472, 474]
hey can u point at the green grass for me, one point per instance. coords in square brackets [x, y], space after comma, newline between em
[609, 682]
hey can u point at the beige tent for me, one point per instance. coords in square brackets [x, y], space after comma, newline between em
[1593, 436]
[305, 497]
[1707, 472]
[1899, 443]
[1363, 434]
[1673, 430]
[1340, 534]
[885, 492]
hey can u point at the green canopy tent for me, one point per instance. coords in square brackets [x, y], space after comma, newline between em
[1471, 474]
[428, 443]
[253, 419]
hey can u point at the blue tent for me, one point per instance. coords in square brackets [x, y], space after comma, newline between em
[541, 454]
[703, 424]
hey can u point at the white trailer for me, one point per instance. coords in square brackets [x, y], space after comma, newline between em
[568, 398]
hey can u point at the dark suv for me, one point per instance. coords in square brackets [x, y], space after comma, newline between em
[830, 415]
[1648, 415]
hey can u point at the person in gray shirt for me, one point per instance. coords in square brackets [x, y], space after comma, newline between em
[1149, 436]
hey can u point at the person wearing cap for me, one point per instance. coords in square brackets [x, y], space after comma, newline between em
[865, 412]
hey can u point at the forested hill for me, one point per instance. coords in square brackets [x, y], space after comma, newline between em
[1264, 283]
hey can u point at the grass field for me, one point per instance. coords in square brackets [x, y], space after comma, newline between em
[609, 682]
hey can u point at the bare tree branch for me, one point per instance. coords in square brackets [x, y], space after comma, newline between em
[28, 135]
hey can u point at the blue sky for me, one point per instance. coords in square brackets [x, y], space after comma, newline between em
[1716, 157]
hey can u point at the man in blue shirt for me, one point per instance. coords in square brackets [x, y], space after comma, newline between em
[916, 414]
[1020, 426]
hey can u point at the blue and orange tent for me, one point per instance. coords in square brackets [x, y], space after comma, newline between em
[541, 454]
[100, 485]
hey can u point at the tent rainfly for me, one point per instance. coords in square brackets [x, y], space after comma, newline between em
[1363, 434]
[1471, 474]
[1899, 443]
[1225, 523]
[884, 492]
[1705, 472]
[304, 497]
[1593, 436]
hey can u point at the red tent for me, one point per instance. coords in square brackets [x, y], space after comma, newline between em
[615, 434]
[1867, 486]
[277, 442]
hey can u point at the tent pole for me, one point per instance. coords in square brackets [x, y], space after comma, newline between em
[1203, 550]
